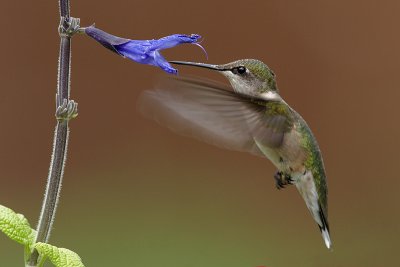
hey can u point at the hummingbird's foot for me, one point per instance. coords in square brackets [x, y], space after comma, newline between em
[281, 180]
[278, 180]
[67, 110]
[288, 179]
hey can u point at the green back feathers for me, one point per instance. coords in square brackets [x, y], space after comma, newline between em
[315, 164]
[278, 108]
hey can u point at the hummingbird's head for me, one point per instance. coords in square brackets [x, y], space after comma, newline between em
[247, 76]
[250, 76]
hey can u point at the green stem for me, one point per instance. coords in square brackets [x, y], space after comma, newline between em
[65, 110]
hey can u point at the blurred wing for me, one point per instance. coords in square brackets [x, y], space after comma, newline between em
[212, 113]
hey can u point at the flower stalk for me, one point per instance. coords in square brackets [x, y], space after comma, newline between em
[66, 109]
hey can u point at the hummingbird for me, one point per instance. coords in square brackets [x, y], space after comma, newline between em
[249, 116]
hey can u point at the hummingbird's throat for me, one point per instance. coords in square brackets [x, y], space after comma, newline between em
[271, 96]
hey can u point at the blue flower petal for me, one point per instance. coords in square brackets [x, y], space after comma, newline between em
[134, 51]
[174, 40]
[147, 51]
[143, 51]
[163, 63]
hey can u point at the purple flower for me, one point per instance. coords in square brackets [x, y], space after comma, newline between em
[143, 51]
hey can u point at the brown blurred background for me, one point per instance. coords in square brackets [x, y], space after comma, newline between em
[136, 194]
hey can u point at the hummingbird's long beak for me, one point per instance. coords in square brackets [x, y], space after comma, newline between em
[201, 65]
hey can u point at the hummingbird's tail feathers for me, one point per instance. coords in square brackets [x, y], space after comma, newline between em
[308, 190]
[325, 229]
[326, 237]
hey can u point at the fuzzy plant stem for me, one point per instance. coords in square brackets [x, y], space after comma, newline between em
[66, 109]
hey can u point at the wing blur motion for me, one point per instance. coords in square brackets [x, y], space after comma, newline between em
[212, 113]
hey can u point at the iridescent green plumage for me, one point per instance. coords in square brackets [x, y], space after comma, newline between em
[314, 163]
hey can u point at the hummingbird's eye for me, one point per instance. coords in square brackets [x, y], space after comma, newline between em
[239, 70]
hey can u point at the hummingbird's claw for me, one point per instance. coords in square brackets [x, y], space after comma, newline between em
[278, 180]
[288, 179]
[281, 180]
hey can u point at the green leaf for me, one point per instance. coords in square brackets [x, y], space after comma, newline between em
[16, 227]
[60, 257]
